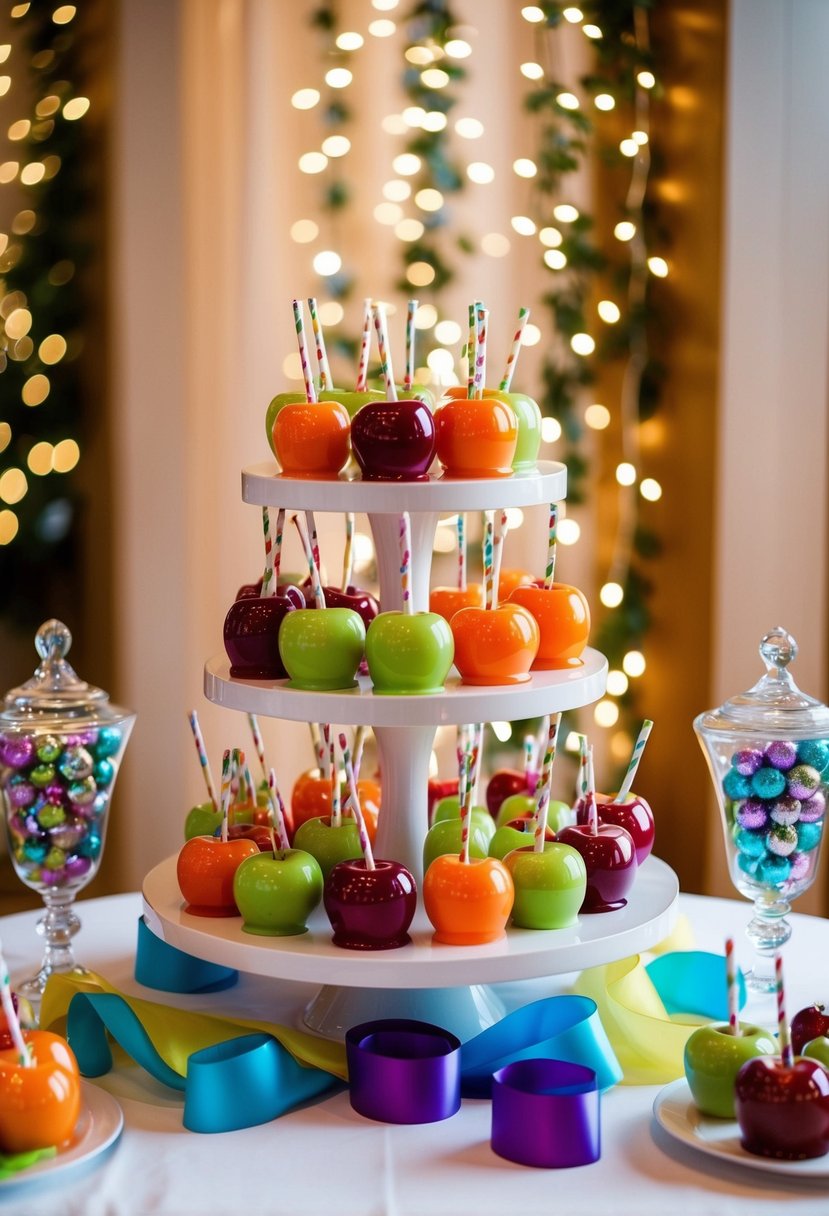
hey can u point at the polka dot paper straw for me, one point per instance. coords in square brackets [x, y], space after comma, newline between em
[385, 355]
[24, 1056]
[278, 810]
[783, 1035]
[509, 370]
[354, 802]
[732, 992]
[406, 563]
[411, 310]
[552, 537]
[360, 736]
[277, 546]
[267, 574]
[365, 346]
[258, 743]
[307, 374]
[482, 317]
[312, 536]
[301, 527]
[581, 778]
[198, 739]
[471, 343]
[325, 380]
[499, 536]
[227, 778]
[638, 748]
[542, 791]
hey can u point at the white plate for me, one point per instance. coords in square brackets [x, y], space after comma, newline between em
[675, 1112]
[99, 1126]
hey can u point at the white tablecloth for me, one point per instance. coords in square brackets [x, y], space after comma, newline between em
[325, 1160]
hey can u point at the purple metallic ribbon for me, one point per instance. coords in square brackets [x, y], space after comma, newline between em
[546, 1113]
[403, 1071]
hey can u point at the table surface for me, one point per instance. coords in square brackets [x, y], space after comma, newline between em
[325, 1160]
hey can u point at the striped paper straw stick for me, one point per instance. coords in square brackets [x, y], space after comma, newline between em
[314, 539]
[24, 1056]
[472, 335]
[356, 809]
[406, 563]
[582, 776]
[529, 754]
[542, 790]
[365, 346]
[258, 743]
[592, 808]
[326, 750]
[348, 551]
[336, 812]
[278, 810]
[307, 374]
[360, 736]
[638, 748]
[267, 574]
[487, 559]
[783, 1035]
[314, 731]
[277, 547]
[552, 537]
[500, 535]
[300, 525]
[462, 752]
[477, 760]
[461, 526]
[198, 739]
[385, 354]
[732, 992]
[482, 316]
[411, 309]
[250, 788]
[325, 379]
[227, 777]
[509, 370]
[466, 808]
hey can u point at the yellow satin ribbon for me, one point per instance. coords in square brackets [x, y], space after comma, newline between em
[177, 1033]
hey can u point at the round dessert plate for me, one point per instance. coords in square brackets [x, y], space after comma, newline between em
[676, 1113]
[521, 954]
[99, 1126]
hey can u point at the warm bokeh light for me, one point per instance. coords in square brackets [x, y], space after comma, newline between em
[608, 311]
[606, 713]
[532, 13]
[305, 99]
[650, 489]
[433, 120]
[350, 40]
[313, 162]
[52, 349]
[568, 531]
[625, 231]
[382, 29]
[604, 101]
[5, 436]
[457, 48]
[336, 145]
[388, 214]
[429, 199]
[550, 430]
[13, 485]
[338, 78]
[448, 332]
[634, 663]
[469, 128]
[434, 78]
[406, 164]
[659, 267]
[480, 172]
[524, 167]
[625, 473]
[35, 390]
[331, 312]
[573, 15]
[304, 231]
[39, 459]
[611, 596]
[8, 527]
[327, 262]
[426, 316]
[566, 213]
[75, 108]
[567, 101]
[420, 274]
[550, 237]
[646, 79]
[495, 244]
[597, 417]
[591, 31]
[555, 259]
[523, 225]
[396, 191]
[629, 147]
[65, 456]
[532, 71]
[531, 335]
[617, 683]
[582, 344]
[18, 323]
[409, 230]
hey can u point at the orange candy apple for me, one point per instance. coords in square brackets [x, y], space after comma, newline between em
[495, 646]
[469, 903]
[311, 799]
[39, 1106]
[512, 578]
[205, 870]
[563, 617]
[476, 437]
[446, 601]
[311, 438]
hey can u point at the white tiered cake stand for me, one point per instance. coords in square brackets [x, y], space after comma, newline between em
[447, 985]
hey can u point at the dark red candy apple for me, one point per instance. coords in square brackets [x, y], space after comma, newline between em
[361, 602]
[634, 815]
[370, 909]
[393, 440]
[503, 783]
[610, 858]
[809, 1023]
[783, 1112]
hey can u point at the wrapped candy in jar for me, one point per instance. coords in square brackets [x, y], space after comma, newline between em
[768, 754]
[61, 742]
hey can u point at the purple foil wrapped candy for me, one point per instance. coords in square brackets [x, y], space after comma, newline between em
[545, 1113]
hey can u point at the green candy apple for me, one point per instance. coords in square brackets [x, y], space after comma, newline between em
[818, 1049]
[408, 653]
[322, 647]
[515, 806]
[549, 886]
[277, 892]
[202, 820]
[515, 835]
[445, 837]
[449, 808]
[327, 844]
[352, 400]
[714, 1056]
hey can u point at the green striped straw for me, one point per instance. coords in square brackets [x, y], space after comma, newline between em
[482, 316]
[365, 346]
[385, 355]
[302, 529]
[499, 536]
[277, 810]
[307, 374]
[487, 558]
[509, 370]
[277, 547]
[470, 352]
[411, 309]
[461, 525]
[198, 738]
[466, 806]
[552, 537]
[542, 792]
[226, 780]
[356, 809]
[638, 748]
[326, 382]
[24, 1055]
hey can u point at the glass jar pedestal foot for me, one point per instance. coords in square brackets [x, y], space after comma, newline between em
[57, 928]
[768, 931]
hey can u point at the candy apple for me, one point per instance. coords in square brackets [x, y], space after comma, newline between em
[634, 815]
[610, 857]
[310, 797]
[502, 784]
[476, 438]
[809, 1023]
[370, 909]
[362, 602]
[512, 578]
[329, 845]
[445, 837]
[549, 886]
[205, 870]
[352, 400]
[25, 1015]
[277, 892]
[393, 440]
[257, 832]
[515, 806]
[251, 635]
[818, 1049]
[468, 904]
[563, 618]
[202, 820]
[783, 1112]
[515, 835]
[311, 438]
[446, 601]
[437, 790]
[409, 653]
[273, 409]
[39, 1106]
[496, 646]
[449, 808]
[527, 416]
[714, 1056]
[322, 648]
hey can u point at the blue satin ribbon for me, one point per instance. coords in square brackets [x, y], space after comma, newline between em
[167, 969]
[694, 981]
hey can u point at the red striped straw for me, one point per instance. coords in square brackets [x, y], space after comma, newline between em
[542, 790]
[198, 739]
[227, 778]
[277, 547]
[406, 563]
[552, 538]
[466, 808]
[499, 536]
[258, 743]
[783, 1035]
[477, 760]
[732, 992]
[592, 808]
[348, 551]
[411, 310]
[278, 811]
[385, 354]
[509, 370]
[360, 736]
[24, 1055]
[356, 809]
[325, 380]
[461, 526]
[365, 347]
[487, 559]
[482, 316]
[314, 539]
[470, 352]
[307, 374]
[319, 594]
[336, 812]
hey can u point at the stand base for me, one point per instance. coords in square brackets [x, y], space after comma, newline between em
[463, 1011]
